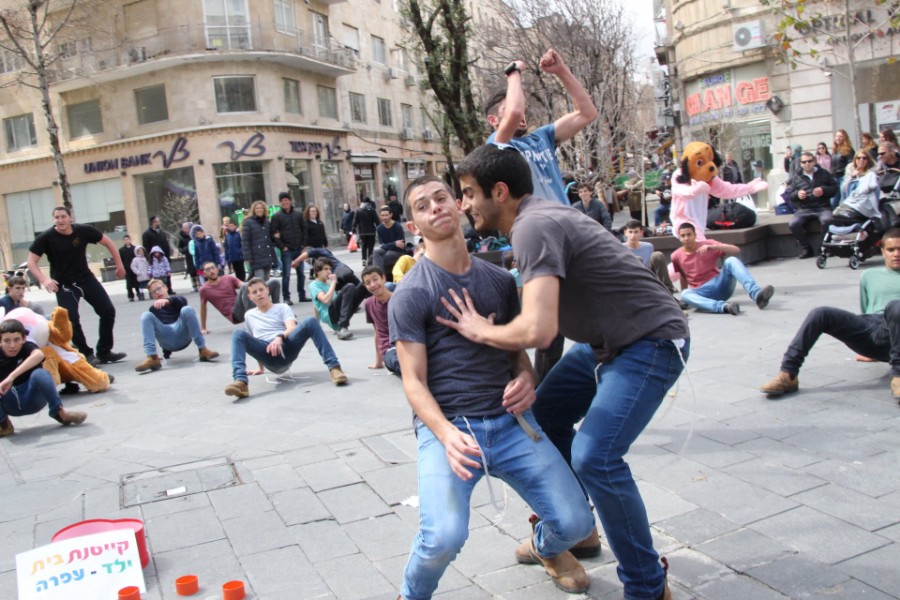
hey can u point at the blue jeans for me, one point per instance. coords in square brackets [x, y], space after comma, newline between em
[287, 256]
[616, 407]
[711, 296]
[242, 344]
[391, 362]
[535, 470]
[176, 336]
[30, 397]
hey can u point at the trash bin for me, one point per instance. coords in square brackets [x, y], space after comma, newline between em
[107, 274]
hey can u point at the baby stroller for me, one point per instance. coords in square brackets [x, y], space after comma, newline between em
[853, 235]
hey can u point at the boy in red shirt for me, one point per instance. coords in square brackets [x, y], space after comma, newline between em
[703, 285]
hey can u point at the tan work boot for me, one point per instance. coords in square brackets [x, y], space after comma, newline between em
[6, 428]
[151, 363]
[337, 376]
[207, 355]
[589, 547]
[783, 383]
[72, 417]
[238, 389]
[565, 571]
[895, 387]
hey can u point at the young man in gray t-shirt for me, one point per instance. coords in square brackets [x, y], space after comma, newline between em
[273, 337]
[631, 344]
[472, 406]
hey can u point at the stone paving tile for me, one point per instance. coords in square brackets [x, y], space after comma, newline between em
[361, 459]
[486, 550]
[352, 577]
[323, 540]
[853, 507]
[800, 578]
[17, 536]
[891, 533]
[661, 504]
[877, 569]
[236, 501]
[173, 505]
[693, 569]
[697, 526]
[184, 529]
[284, 573]
[300, 506]
[382, 537]
[278, 478]
[328, 474]
[353, 503]
[867, 476]
[395, 483]
[213, 563]
[744, 549]
[738, 586]
[392, 569]
[257, 532]
[818, 535]
[773, 477]
[777, 452]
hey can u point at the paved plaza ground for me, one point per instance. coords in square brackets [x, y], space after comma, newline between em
[305, 490]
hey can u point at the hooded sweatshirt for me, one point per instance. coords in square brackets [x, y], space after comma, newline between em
[159, 264]
[139, 265]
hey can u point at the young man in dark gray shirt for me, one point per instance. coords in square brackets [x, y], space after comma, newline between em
[472, 406]
[631, 343]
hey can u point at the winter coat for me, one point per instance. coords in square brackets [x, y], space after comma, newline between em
[233, 250]
[291, 230]
[820, 178]
[840, 162]
[159, 264]
[366, 219]
[184, 241]
[256, 243]
[139, 266]
[157, 239]
[347, 221]
[315, 234]
[203, 250]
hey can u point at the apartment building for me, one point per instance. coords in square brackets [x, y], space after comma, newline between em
[173, 107]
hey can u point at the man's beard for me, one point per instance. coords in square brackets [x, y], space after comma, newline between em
[521, 132]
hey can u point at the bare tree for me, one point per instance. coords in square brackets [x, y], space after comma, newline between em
[596, 41]
[800, 23]
[32, 31]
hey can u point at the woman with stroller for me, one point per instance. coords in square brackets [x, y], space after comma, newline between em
[860, 188]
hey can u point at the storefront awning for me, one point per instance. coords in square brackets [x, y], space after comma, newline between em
[365, 158]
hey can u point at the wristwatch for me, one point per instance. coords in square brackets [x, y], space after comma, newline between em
[282, 336]
[512, 68]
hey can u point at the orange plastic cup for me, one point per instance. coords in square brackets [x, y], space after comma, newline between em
[233, 590]
[187, 585]
[131, 592]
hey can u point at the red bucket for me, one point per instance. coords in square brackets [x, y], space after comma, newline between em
[92, 526]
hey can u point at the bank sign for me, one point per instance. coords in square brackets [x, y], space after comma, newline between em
[725, 97]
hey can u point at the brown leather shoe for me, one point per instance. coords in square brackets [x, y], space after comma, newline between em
[589, 547]
[565, 571]
[239, 389]
[895, 387]
[151, 363]
[207, 355]
[783, 383]
[338, 376]
[71, 417]
[6, 428]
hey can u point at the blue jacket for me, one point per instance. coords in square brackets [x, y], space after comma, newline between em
[233, 250]
[204, 249]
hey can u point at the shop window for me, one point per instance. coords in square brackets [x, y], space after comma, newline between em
[299, 181]
[284, 16]
[151, 104]
[32, 213]
[238, 185]
[20, 132]
[333, 196]
[292, 97]
[406, 114]
[235, 94]
[327, 102]
[384, 112]
[357, 108]
[169, 194]
[101, 204]
[84, 119]
[379, 50]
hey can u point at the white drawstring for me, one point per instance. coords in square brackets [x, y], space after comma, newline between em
[501, 511]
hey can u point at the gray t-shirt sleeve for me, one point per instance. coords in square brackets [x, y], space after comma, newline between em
[539, 248]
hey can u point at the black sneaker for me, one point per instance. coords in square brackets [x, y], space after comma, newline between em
[762, 300]
[732, 308]
[92, 360]
[167, 354]
[304, 299]
[69, 388]
[806, 253]
[111, 357]
[288, 302]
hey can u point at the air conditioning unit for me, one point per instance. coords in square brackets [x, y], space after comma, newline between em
[748, 36]
[428, 135]
[390, 74]
[410, 81]
[137, 54]
[407, 133]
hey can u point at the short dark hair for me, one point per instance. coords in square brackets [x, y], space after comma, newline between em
[384, 208]
[370, 270]
[12, 326]
[509, 257]
[64, 209]
[16, 280]
[633, 224]
[254, 281]
[584, 185]
[209, 262]
[891, 234]
[807, 153]
[494, 101]
[320, 263]
[417, 183]
[490, 164]
[687, 226]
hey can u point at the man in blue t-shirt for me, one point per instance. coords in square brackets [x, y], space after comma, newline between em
[506, 115]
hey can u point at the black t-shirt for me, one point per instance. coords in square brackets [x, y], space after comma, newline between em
[8, 364]
[67, 253]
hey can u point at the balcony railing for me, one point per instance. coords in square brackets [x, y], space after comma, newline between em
[174, 44]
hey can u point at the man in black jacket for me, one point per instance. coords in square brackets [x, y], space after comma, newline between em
[364, 223]
[811, 191]
[155, 236]
[289, 235]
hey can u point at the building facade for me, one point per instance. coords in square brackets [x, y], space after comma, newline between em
[193, 109]
[728, 87]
